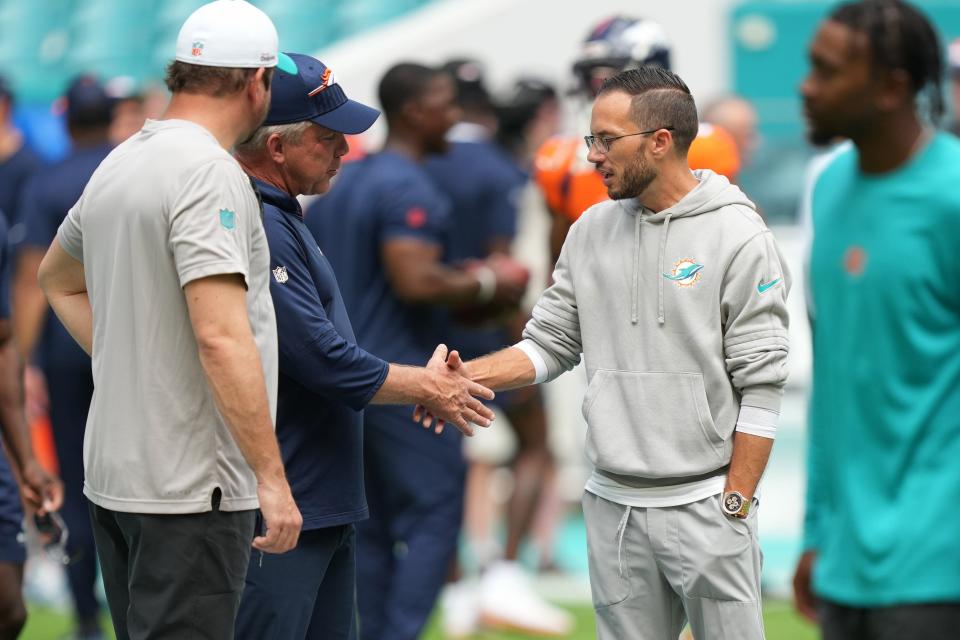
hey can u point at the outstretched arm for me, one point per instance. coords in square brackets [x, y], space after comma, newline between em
[551, 345]
[442, 389]
[508, 368]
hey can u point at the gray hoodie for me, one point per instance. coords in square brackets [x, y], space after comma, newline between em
[681, 318]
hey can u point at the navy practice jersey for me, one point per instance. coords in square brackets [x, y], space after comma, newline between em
[383, 197]
[15, 172]
[47, 198]
[483, 185]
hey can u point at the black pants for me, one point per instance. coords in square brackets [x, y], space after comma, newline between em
[938, 621]
[173, 576]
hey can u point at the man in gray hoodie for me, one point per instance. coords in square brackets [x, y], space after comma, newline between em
[675, 293]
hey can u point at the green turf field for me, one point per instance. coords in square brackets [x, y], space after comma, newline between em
[782, 624]
[780, 620]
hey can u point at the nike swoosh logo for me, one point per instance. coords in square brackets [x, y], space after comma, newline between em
[764, 286]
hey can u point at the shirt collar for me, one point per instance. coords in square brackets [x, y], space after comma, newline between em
[278, 198]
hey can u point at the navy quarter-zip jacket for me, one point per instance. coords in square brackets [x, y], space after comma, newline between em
[325, 378]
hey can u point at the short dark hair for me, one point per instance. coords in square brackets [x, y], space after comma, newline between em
[900, 37]
[402, 83]
[660, 99]
[183, 77]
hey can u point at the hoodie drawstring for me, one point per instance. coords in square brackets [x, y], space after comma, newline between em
[663, 268]
[634, 317]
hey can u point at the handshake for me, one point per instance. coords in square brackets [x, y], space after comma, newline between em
[448, 395]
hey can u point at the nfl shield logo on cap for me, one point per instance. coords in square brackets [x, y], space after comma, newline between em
[228, 33]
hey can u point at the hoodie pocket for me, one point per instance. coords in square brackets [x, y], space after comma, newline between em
[651, 424]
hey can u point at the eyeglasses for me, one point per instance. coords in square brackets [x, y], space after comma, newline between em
[602, 144]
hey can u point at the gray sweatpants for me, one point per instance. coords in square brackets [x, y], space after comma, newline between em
[653, 569]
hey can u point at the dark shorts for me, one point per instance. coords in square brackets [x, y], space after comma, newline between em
[11, 509]
[173, 576]
[934, 621]
[12, 547]
[308, 593]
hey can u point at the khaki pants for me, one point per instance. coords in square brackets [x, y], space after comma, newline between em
[654, 569]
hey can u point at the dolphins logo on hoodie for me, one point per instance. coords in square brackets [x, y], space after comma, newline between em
[686, 272]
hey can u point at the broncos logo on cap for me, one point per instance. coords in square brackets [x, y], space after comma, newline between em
[325, 81]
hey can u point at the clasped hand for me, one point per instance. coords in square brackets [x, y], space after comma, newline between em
[453, 397]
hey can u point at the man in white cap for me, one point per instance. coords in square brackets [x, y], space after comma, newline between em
[160, 272]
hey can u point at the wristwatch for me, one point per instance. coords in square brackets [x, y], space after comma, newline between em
[735, 505]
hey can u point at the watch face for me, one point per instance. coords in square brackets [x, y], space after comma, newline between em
[732, 503]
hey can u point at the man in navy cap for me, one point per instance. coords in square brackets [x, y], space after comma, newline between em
[325, 378]
[63, 374]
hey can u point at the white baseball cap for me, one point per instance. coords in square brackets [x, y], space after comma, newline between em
[228, 33]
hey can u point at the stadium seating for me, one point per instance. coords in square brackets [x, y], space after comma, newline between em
[44, 44]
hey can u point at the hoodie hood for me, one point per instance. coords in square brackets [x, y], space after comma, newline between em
[714, 192]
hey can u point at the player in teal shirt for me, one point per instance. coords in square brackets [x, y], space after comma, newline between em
[882, 530]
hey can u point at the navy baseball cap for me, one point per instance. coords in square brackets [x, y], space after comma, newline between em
[87, 102]
[305, 89]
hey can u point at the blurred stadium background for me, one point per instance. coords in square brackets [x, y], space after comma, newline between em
[756, 49]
